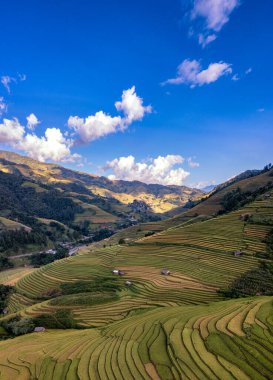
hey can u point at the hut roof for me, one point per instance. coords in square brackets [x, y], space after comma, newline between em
[39, 329]
[165, 271]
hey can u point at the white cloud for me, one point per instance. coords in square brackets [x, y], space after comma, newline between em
[248, 71]
[11, 132]
[161, 170]
[52, 146]
[215, 14]
[6, 80]
[32, 121]
[191, 73]
[3, 106]
[95, 126]
[235, 77]
[192, 164]
[132, 106]
[205, 40]
[101, 124]
[22, 77]
[203, 184]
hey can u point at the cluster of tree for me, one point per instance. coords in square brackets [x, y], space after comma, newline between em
[15, 239]
[260, 219]
[18, 326]
[269, 244]
[60, 319]
[50, 203]
[103, 233]
[5, 263]
[238, 198]
[258, 281]
[44, 258]
[103, 284]
[5, 291]
[81, 229]
[267, 168]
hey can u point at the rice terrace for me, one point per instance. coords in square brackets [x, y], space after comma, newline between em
[136, 190]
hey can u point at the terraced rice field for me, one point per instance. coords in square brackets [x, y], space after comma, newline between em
[198, 255]
[12, 276]
[229, 340]
[160, 327]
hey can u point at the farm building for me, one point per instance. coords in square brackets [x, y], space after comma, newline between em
[39, 329]
[165, 272]
[118, 272]
[237, 253]
[245, 217]
[128, 283]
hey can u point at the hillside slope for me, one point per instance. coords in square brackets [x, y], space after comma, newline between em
[251, 184]
[157, 198]
[55, 204]
[160, 327]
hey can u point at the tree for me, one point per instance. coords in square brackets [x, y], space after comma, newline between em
[20, 327]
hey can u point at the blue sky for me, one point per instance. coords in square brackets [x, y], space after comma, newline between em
[208, 120]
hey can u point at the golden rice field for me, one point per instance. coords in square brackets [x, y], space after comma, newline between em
[161, 327]
[230, 340]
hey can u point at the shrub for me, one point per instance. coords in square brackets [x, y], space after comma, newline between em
[18, 326]
[61, 319]
[5, 263]
[5, 291]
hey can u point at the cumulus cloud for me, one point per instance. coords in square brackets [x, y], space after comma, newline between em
[161, 170]
[95, 126]
[11, 132]
[132, 106]
[191, 73]
[52, 146]
[101, 124]
[32, 121]
[3, 106]
[214, 14]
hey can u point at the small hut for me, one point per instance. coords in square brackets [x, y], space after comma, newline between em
[115, 271]
[128, 283]
[165, 272]
[245, 217]
[121, 273]
[39, 329]
[237, 253]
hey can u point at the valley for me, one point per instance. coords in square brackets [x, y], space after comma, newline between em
[209, 318]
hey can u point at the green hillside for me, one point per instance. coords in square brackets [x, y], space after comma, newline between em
[179, 326]
[51, 204]
[210, 318]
